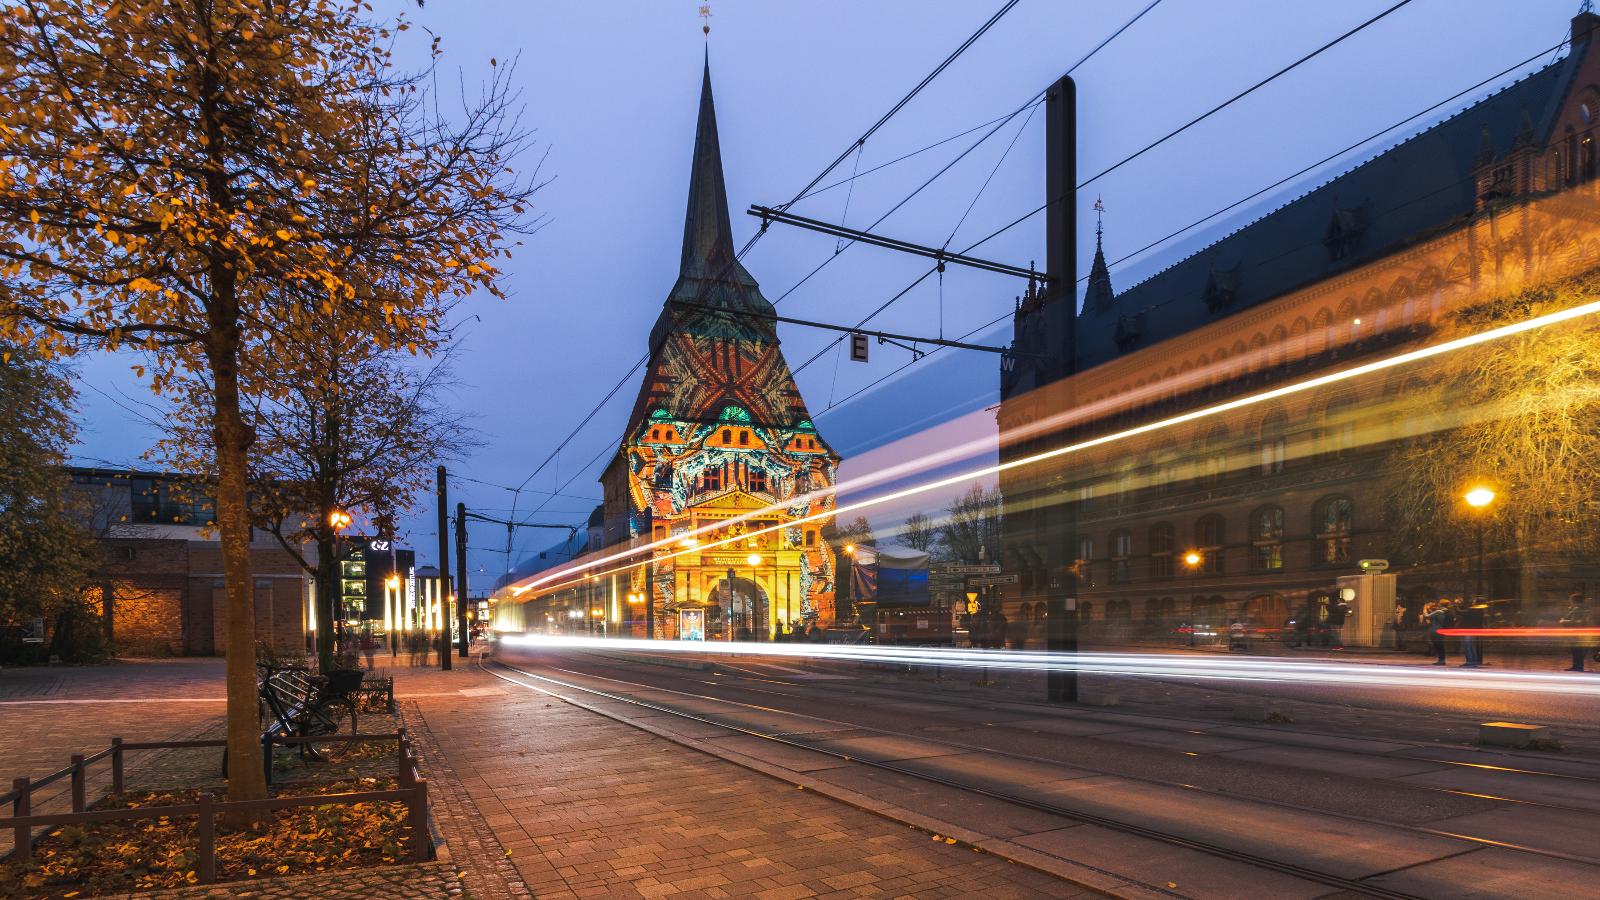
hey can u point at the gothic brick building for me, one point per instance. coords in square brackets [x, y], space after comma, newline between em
[1275, 500]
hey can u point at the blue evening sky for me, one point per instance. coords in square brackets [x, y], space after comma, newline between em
[611, 88]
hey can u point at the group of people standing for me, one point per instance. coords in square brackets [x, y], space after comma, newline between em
[1443, 615]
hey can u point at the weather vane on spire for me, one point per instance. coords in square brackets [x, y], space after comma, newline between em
[1099, 211]
[705, 15]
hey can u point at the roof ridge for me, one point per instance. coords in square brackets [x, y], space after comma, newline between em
[1351, 168]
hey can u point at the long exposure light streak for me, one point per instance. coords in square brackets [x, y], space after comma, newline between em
[1147, 665]
[707, 542]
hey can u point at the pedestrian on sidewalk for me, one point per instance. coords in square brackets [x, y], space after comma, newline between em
[1338, 611]
[1474, 616]
[1577, 617]
[1437, 615]
[1401, 611]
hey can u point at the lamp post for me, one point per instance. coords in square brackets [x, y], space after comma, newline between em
[754, 560]
[339, 520]
[1479, 499]
[730, 605]
[1192, 561]
[392, 612]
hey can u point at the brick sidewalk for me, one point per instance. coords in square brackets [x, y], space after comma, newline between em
[588, 807]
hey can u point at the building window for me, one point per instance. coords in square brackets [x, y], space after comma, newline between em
[1272, 449]
[1121, 551]
[727, 436]
[744, 437]
[1209, 534]
[1266, 539]
[1214, 463]
[1161, 546]
[1330, 522]
[757, 481]
[1085, 559]
[811, 538]
[1337, 429]
[711, 479]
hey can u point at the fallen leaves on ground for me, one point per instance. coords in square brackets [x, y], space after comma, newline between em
[147, 854]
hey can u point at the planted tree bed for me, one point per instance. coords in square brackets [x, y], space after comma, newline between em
[116, 857]
[87, 859]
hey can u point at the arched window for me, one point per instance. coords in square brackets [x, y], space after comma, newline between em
[1085, 560]
[1162, 543]
[1272, 442]
[1336, 432]
[1266, 539]
[1121, 556]
[1209, 537]
[1330, 523]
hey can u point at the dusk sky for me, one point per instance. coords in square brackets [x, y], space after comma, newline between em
[612, 88]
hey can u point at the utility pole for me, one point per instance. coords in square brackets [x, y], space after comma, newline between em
[444, 573]
[1058, 515]
[650, 598]
[464, 639]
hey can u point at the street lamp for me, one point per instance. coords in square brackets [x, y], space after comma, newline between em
[1192, 559]
[754, 560]
[1479, 498]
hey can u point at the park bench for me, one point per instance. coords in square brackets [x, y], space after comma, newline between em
[294, 703]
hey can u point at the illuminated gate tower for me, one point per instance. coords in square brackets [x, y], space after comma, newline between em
[718, 430]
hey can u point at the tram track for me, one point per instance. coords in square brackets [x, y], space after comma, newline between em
[1181, 725]
[1157, 782]
[1214, 850]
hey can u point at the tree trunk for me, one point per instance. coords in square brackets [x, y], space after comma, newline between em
[246, 781]
[327, 599]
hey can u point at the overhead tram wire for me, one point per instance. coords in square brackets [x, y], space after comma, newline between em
[1129, 158]
[1330, 157]
[884, 119]
[1241, 95]
[1032, 103]
[1374, 136]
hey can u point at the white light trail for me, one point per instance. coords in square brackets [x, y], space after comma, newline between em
[707, 543]
[1148, 665]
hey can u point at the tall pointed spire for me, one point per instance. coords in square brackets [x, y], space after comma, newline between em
[1099, 296]
[707, 234]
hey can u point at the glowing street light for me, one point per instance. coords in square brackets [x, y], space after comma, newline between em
[1479, 498]
[1191, 559]
[339, 519]
[850, 549]
[753, 559]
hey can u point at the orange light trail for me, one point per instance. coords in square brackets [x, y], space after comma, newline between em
[1400, 359]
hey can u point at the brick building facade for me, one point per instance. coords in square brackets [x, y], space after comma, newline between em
[159, 587]
[1275, 500]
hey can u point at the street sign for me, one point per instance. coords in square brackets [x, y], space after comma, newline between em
[1374, 565]
[986, 580]
[858, 347]
[970, 570]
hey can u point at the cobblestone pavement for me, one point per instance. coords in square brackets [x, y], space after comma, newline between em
[48, 714]
[428, 880]
[589, 807]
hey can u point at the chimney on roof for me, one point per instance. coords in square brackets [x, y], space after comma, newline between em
[1583, 24]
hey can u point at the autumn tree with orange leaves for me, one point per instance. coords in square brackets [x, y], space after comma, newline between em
[208, 180]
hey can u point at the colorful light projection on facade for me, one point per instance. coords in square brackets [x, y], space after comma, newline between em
[720, 430]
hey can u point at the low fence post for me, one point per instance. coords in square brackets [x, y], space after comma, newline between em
[207, 864]
[417, 807]
[116, 765]
[266, 756]
[22, 835]
[403, 776]
[77, 783]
